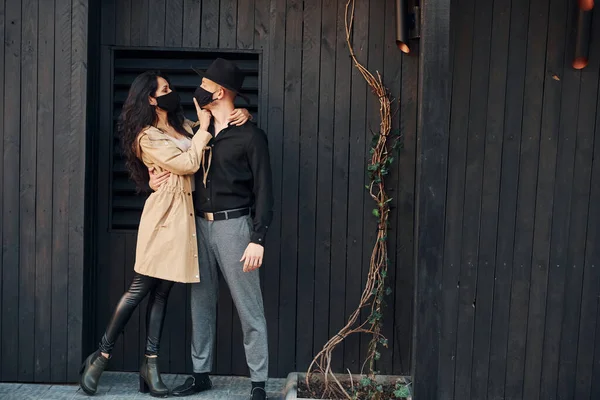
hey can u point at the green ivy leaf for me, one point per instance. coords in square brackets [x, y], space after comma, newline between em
[376, 212]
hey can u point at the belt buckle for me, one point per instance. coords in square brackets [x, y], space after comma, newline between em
[209, 216]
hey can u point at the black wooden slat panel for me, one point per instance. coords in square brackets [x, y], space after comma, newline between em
[123, 22]
[356, 188]
[339, 201]
[517, 323]
[107, 18]
[307, 181]
[290, 190]
[223, 343]
[245, 24]
[209, 35]
[10, 195]
[228, 24]
[472, 270]
[27, 186]
[392, 75]
[541, 260]
[60, 188]
[192, 10]
[139, 23]
[491, 214]
[174, 23]
[2, 167]
[45, 142]
[576, 245]
[455, 195]
[111, 294]
[270, 37]
[156, 22]
[238, 356]
[433, 130]
[589, 127]
[564, 148]
[76, 165]
[324, 152]
[176, 313]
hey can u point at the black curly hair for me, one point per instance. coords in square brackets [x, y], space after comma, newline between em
[138, 113]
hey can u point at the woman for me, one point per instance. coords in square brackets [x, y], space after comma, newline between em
[156, 136]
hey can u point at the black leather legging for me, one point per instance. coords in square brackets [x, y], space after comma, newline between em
[155, 313]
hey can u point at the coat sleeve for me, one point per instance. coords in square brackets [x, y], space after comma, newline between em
[168, 156]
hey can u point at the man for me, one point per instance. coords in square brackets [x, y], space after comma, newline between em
[233, 213]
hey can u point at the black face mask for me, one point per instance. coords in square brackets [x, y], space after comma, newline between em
[169, 102]
[203, 97]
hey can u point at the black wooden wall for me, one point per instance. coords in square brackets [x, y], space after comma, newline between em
[43, 97]
[318, 114]
[517, 313]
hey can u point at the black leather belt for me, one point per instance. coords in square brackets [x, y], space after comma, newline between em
[223, 215]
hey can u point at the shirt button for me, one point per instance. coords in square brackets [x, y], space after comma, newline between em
[260, 240]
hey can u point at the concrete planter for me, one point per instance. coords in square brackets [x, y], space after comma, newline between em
[291, 385]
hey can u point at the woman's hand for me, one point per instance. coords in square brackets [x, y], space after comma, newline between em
[239, 116]
[204, 117]
[157, 179]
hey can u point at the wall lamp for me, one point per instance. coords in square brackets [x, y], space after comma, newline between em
[582, 40]
[408, 24]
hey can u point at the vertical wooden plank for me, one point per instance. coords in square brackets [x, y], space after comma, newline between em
[45, 139]
[517, 281]
[324, 153]
[289, 198]
[156, 22]
[356, 187]
[228, 24]
[192, 10]
[592, 260]
[392, 78]
[2, 45]
[139, 23]
[10, 196]
[209, 35]
[107, 18]
[490, 207]
[27, 193]
[60, 189]
[482, 352]
[340, 178]
[472, 271]
[580, 205]
[113, 295]
[174, 23]
[434, 118]
[133, 341]
[77, 150]
[564, 153]
[270, 37]
[309, 129]
[123, 22]
[589, 120]
[176, 315]
[457, 157]
[245, 24]
[225, 312]
[537, 291]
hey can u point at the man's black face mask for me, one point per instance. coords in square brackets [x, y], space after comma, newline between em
[203, 97]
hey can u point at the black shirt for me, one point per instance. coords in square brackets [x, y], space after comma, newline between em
[239, 176]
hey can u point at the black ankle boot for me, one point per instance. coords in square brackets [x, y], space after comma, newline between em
[150, 380]
[91, 370]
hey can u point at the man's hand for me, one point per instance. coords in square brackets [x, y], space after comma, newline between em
[239, 116]
[253, 257]
[204, 116]
[157, 179]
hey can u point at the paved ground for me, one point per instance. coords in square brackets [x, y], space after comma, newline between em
[124, 386]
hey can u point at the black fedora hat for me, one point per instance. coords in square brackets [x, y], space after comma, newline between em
[225, 73]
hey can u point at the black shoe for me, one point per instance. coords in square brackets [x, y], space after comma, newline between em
[150, 380]
[91, 370]
[193, 384]
[258, 393]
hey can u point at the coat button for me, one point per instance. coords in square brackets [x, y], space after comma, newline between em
[193, 235]
[195, 255]
[197, 276]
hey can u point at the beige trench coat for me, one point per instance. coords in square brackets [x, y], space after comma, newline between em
[166, 245]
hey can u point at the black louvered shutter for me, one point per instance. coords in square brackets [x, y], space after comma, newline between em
[126, 205]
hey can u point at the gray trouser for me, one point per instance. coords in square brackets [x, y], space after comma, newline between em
[223, 243]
